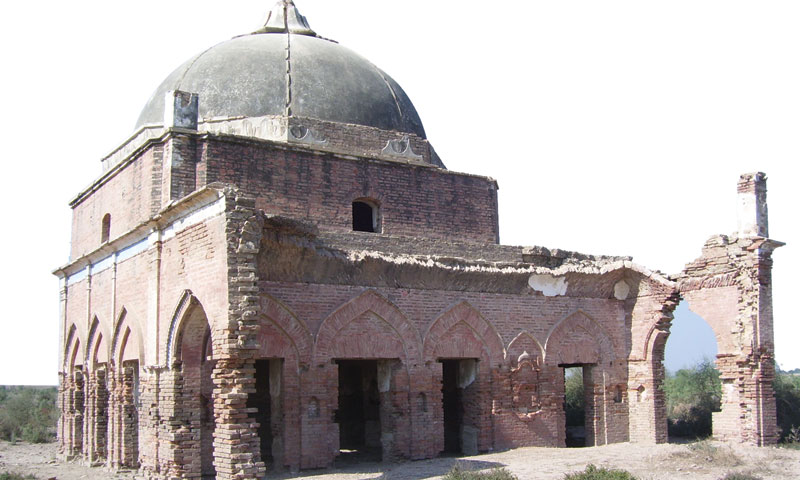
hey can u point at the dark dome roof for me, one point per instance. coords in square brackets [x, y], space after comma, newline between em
[252, 76]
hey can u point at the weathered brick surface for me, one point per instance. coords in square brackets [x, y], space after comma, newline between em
[127, 194]
[320, 188]
[244, 253]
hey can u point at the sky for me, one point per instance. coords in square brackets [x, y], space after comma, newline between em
[613, 127]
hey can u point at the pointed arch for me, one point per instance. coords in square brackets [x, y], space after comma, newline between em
[524, 342]
[288, 325]
[578, 339]
[127, 340]
[69, 348]
[469, 321]
[96, 349]
[75, 355]
[384, 321]
[187, 304]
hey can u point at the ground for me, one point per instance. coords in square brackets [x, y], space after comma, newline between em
[703, 461]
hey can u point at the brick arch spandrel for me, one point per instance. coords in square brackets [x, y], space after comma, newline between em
[127, 341]
[278, 321]
[75, 358]
[578, 339]
[376, 314]
[69, 348]
[524, 342]
[448, 336]
[182, 313]
[720, 309]
[96, 345]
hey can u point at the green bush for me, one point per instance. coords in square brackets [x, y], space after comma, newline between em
[15, 476]
[594, 473]
[458, 473]
[28, 414]
[692, 394]
[740, 476]
[573, 397]
[787, 399]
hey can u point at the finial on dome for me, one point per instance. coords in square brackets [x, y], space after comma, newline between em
[285, 18]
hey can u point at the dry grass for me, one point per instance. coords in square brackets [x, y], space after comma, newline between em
[706, 452]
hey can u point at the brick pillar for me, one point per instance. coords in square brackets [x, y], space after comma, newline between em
[77, 407]
[593, 405]
[427, 421]
[484, 407]
[650, 313]
[553, 395]
[730, 286]
[320, 434]
[237, 453]
[123, 419]
[394, 408]
[96, 418]
[292, 413]
[64, 420]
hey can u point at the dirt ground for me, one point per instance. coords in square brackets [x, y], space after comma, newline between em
[704, 460]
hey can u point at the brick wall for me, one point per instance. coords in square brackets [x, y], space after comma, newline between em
[128, 195]
[320, 188]
[730, 287]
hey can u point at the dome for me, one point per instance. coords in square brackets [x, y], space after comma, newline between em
[285, 69]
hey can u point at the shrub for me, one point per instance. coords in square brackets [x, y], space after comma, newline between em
[692, 394]
[787, 399]
[594, 473]
[458, 473]
[15, 476]
[740, 476]
[28, 414]
[573, 396]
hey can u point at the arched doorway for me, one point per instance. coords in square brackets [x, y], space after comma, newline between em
[97, 396]
[125, 394]
[193, 353]
[692, 387]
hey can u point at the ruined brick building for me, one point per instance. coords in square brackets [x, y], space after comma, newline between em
[277, 269]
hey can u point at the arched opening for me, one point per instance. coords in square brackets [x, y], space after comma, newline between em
[465, 349]
[580, 347]
[692, 387]
[76, 402]
[97, 397]
[363, 348]
[105, 229]
[194, 352]
[124, 381]
[366, 216]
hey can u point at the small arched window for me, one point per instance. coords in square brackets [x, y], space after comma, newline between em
[366, 216]
[105, 229]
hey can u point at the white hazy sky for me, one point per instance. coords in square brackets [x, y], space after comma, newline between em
[612, 127]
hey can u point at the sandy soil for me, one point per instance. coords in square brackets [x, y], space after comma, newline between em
[703, 461]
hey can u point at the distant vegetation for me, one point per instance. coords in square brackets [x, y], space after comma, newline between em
[574, 398]
[28, 414]
[787, 396]
[692, 394]
[15, 476]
